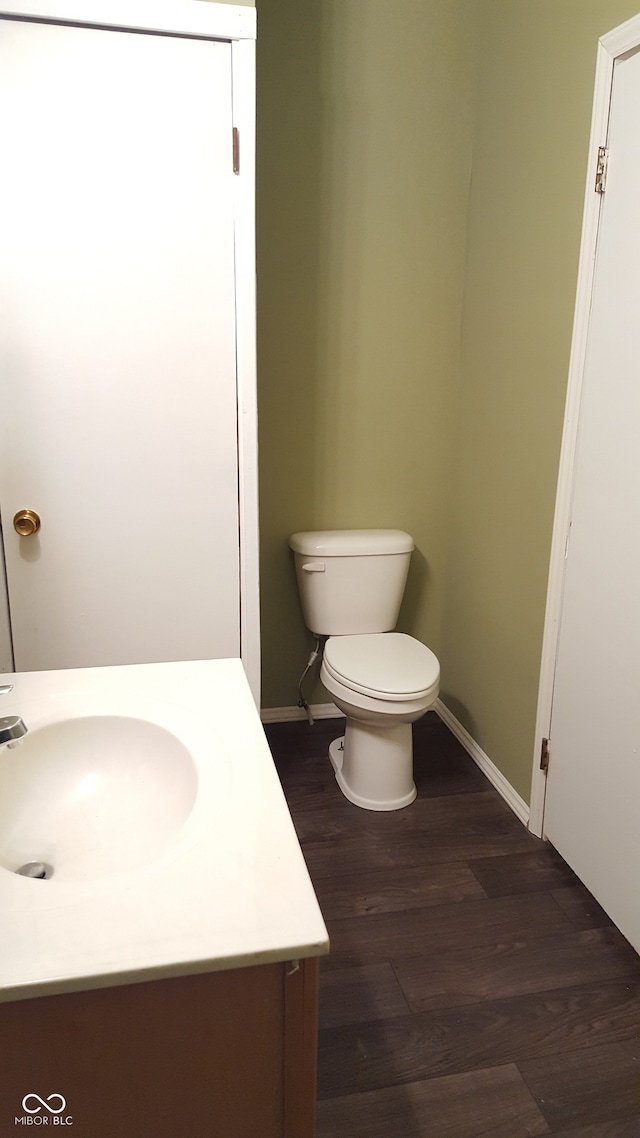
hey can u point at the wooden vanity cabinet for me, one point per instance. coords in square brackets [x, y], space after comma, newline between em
[227, 1054]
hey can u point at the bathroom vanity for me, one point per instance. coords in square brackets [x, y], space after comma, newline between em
[162, 978]
[223, 1055]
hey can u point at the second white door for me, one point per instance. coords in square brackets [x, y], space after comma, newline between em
[592, 812]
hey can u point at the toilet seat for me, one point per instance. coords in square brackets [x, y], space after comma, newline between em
[387, 665]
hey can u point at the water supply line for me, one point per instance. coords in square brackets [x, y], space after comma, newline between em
[317, 647]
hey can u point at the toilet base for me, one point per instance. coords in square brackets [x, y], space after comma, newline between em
[374, 765]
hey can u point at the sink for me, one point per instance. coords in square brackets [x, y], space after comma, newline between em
[151, 792]
[93, 795]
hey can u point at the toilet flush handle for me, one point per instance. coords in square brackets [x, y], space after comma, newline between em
[314, 567]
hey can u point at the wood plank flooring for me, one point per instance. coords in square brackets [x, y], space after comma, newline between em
[474, 988]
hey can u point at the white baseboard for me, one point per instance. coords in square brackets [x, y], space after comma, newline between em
[289, 714]
[488, 768]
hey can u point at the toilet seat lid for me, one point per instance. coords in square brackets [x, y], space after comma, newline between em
[389, 665]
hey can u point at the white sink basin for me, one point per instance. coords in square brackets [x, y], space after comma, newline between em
[93, 795]
[150, 791]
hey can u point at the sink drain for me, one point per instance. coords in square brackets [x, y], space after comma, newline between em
[37, 869]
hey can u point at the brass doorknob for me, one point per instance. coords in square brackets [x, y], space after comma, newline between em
[26, 522]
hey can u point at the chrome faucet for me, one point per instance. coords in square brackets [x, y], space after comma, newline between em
[12, 728]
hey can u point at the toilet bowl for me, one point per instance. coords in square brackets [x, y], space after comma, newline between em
[382, 682]
[351, 584]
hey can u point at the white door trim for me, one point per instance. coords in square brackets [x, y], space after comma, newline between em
[243, 64]
[615, 43]
[182, 17]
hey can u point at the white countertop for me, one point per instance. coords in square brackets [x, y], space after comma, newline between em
[231, 889]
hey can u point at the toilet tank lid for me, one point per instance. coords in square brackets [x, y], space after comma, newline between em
[350, 542]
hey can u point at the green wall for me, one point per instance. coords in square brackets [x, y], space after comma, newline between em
[364, 156]
[413, 328]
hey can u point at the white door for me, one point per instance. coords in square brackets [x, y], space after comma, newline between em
[118, 421]
[592, 812]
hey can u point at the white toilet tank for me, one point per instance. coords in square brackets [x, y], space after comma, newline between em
[351, 581]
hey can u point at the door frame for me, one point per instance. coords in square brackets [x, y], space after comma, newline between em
[236, 25]
[610, 46]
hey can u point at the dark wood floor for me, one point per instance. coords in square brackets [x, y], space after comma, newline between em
[474, 988]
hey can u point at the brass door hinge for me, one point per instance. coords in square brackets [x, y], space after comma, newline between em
[236, 150]
[601, 170]
[544, 755]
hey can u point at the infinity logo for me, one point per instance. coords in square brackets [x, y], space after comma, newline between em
[43, 1103]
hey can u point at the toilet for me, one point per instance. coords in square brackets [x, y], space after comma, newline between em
[351, 584]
